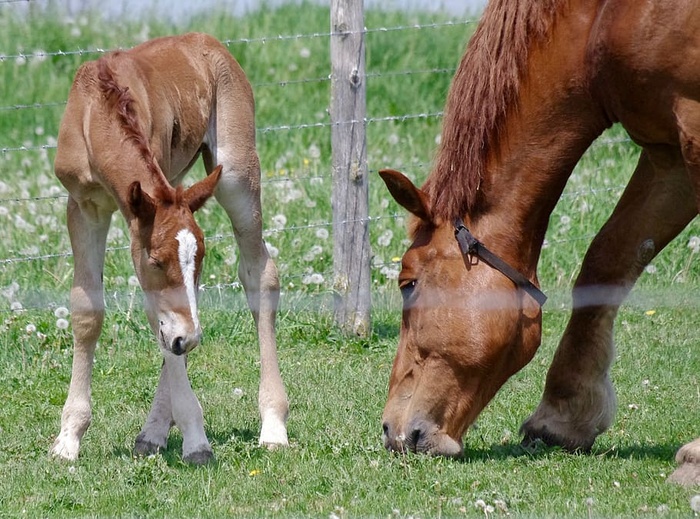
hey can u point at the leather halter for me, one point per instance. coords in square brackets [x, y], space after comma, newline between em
[470, 246]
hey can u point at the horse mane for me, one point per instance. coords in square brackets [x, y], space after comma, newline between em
[484, 91]
[123, 103]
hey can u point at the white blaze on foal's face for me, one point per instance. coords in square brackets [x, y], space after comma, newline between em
[187, 254]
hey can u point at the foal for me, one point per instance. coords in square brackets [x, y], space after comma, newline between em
[135, 123]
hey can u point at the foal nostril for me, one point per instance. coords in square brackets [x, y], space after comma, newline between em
[385, 428]
[178, 346]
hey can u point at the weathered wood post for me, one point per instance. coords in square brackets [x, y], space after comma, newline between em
[350, 195]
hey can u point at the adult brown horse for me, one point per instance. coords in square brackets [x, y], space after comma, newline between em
[135, 123]
[540, 80]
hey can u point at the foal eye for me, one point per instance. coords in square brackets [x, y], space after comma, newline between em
[155, 263]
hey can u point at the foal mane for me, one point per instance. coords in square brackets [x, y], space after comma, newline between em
[123, 103]
[484, 91]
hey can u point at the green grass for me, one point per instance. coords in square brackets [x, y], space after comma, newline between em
[337, 386]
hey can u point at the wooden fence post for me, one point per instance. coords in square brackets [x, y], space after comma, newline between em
[350, 195]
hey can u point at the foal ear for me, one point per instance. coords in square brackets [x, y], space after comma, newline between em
[140, 203]
[199, 193]
[406, 194]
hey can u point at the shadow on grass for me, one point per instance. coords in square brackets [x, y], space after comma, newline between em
[502, 451]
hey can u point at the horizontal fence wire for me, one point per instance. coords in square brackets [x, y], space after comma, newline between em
[8, 58]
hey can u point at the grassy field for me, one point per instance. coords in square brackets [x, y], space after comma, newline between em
[336, 465]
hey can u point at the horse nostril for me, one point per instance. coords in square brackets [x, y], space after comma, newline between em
[414, 438]
[385, 428]
[178, 347]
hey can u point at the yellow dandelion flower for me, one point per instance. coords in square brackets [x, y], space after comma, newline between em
[254, 472]
[650, 312]
[395, 259]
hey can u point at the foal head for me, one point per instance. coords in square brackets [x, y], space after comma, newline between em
[167, 248]
[465, 330]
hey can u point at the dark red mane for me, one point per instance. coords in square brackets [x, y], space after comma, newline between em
[484, 90]
[123, 103]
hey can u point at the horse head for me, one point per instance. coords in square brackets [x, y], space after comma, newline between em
[167, 248]
[466, 327]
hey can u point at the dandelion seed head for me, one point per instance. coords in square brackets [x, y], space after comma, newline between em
[62, 324]
[61, 312]
[134, 281]
[305, 53]
[322, 233]
[695, 503]
[16, 306]
[30, 329]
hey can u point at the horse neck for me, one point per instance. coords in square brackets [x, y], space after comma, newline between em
[543, 137]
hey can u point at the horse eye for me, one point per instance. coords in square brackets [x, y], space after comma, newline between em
[407, 288]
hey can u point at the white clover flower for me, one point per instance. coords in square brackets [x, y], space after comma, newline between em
[61, 312]
[322, 233]
[62, 324]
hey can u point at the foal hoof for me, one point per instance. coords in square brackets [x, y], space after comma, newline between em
[145, 448]
[199, 457]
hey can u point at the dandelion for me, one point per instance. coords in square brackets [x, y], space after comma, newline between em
[305, 53]
[272, 251]
[21, 60]
[3, 187]
[695, 504]
[39, 130]
[565, 220]
[254, 472]
[322, 233]
[650, 269]
[694, 244]
[62, 324]
[313, 279]
[279, 221]
[134, 281]
[39, 56]
[71, 469]
[238, 392]
[385, 239]
[4, 211]
[649, 313]
[16, 306]
[313, 252]
[390, 271]
[314, 151]
[393, 139]
[30, 329]
[61, 312]
[384, 203]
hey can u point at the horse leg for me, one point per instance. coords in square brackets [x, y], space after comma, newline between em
[88, 234]
[579, 401]
[239, 194]
[154, 433]
[186, 411]
[688, 456]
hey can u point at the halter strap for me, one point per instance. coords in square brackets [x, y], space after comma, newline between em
[470, 246]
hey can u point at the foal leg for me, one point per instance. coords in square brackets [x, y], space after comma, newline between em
[239, 194]
[154, 434]
[579, 401]
[88, 235]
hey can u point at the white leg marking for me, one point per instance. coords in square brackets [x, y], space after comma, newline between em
[187, 251]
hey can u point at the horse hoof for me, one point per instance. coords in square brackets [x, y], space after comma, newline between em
[145, 448]
[199, 457]
[65, 449]
[687, 475]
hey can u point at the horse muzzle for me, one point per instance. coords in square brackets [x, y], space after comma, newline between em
[421, 436]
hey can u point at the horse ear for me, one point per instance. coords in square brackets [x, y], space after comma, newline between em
[197, 194]
[140, 203]
[406, 194]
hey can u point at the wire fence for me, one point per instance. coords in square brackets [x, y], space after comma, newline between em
[26, 146]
